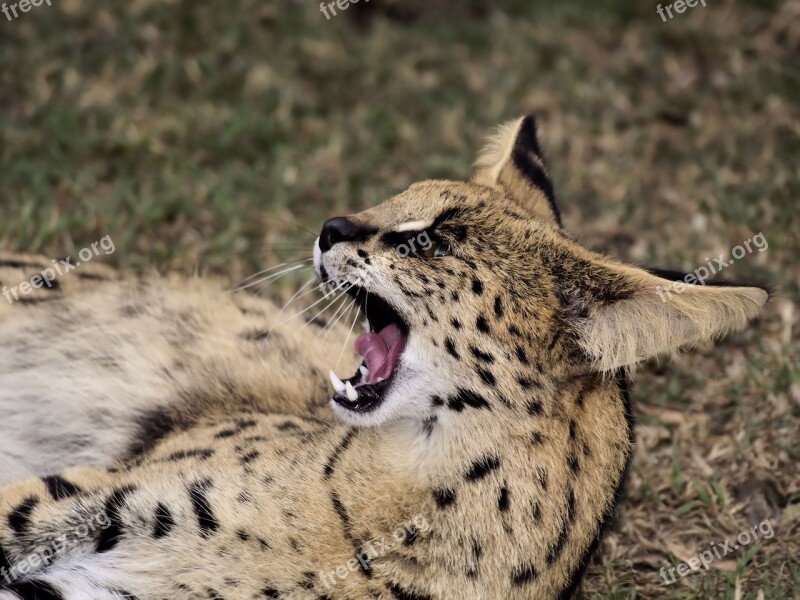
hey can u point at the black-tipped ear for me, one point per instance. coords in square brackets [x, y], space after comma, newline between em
[512, 160]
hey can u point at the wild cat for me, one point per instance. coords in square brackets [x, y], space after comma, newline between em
[487, 417]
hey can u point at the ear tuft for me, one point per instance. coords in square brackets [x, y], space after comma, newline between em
[512, 160]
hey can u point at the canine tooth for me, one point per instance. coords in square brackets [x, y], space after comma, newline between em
[381, 379]
[338, 384]
[365, 325]
[352, 394]
[364, 370]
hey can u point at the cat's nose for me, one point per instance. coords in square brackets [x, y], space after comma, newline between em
[339, 229]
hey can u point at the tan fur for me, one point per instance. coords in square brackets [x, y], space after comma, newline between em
[499, 450]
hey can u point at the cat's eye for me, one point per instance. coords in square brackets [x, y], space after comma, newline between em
[435, 250]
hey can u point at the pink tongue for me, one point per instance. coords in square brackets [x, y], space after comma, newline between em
[381, 351]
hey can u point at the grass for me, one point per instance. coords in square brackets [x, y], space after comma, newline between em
[198, 134]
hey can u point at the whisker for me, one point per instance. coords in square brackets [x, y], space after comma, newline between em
[335, 319]
[273, 276]
[338, 308]
[314, 235]
[323, 310]
[305, 310]
[273, 268]
[297, 293]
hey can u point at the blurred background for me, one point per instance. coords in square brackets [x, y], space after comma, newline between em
[209, 136]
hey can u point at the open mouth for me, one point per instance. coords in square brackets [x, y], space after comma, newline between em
[380, 349]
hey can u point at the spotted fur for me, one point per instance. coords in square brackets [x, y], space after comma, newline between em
[177, 450]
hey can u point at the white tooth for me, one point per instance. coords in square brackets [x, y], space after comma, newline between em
[338, 384]
[364, 370]
[381, 379]
[365, 325]
[352, 394]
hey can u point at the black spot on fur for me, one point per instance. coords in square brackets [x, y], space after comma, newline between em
[537, 438]
[202, 454]
[487, 377]
[404, 594]
[498, 307]
[243, 535]
[466, 398]
[526, 383]
[308, 581]
[536, 408]
[514, 330]
[164, 521]
[59, 488]
[482, 324]
[454, 296]
[362, 253]
[436, 401]
[481, 355]
[428, 424]
[19, 519]
[482, 467]
[455, 323]
[477, 286]
[202, 507]
[412, 536]
[250, 457]
[110, 536]
[555, 550]
[521, 356]
[152, 426]
[574, 464]
[286, 426]
[451, 348]
[35, 589]
[444, 497]
[503, 501]
[341, 511]
[334, 457]
[225, 433]
[536, 511]
[270, 592]
[523, 575]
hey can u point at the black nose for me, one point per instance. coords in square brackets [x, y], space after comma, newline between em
[339, 229]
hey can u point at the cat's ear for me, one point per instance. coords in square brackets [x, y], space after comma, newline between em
[512, 161]
[620, 314]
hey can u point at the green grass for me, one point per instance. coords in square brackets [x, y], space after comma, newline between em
[203, 135]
